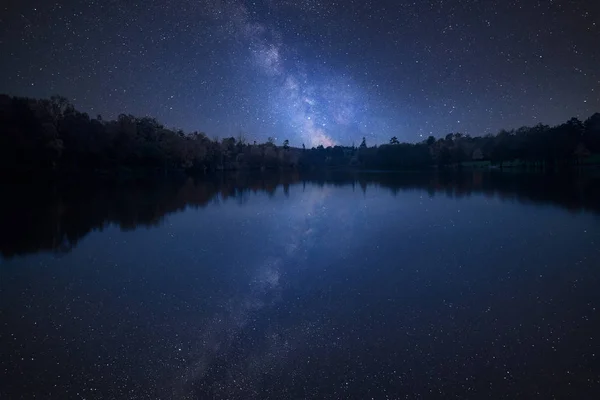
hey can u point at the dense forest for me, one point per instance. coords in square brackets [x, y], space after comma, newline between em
[50, 135]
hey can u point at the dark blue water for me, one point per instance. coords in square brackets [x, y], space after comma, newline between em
[376, 286]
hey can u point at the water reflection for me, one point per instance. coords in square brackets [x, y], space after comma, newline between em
[289, 287]
[36, 218]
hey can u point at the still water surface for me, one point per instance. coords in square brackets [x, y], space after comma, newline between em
[337, 287]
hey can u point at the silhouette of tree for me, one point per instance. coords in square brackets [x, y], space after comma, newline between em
[50, 136]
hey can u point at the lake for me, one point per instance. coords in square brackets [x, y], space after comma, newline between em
[338, 286]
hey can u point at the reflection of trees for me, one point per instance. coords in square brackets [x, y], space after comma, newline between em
[54, 218]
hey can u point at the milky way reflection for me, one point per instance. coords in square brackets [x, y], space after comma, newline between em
[364, 286]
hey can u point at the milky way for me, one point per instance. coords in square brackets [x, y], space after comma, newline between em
[309, 108]
[313, 72]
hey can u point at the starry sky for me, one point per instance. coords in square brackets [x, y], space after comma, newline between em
[311, 71]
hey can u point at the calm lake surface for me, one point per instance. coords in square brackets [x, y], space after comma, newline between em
[379, 286]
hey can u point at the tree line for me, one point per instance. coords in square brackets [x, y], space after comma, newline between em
[51, 135]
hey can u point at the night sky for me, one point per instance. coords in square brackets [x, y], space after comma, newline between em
[313, 72]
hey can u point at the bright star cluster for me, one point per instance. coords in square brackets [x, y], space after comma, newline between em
[313, 71]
